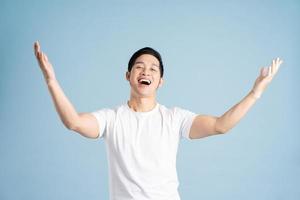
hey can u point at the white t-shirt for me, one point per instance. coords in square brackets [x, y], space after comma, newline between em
[142, 149]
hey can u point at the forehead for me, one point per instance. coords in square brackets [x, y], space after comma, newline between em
[147, 58]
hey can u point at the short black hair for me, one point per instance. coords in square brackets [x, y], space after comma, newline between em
[146, 50]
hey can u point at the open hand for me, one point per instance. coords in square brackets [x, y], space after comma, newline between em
[266, 76]
[44, 63]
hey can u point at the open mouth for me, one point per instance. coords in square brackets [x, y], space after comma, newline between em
[144, 81]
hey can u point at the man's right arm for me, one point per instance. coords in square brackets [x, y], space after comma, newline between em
[84, 123]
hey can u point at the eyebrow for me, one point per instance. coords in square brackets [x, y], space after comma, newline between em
[140, 62]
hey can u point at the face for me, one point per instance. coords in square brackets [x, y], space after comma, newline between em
[144, 76]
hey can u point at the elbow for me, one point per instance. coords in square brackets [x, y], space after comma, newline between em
[220, 129]
[71, 126]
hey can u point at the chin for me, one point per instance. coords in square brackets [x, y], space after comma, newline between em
[140, 92]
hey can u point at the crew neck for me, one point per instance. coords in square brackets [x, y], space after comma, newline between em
[142, 113]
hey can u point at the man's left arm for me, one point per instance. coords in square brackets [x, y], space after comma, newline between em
[205, 125]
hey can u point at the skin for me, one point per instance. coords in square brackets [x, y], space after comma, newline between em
[143, 98]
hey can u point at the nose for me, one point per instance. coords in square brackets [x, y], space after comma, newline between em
[146, 71]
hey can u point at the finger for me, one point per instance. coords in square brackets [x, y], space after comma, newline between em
[43, 56]
[280, 62]
[46, 58]
[39, 55]
[276, 67]
[273, 65]
[269, 71]
[37, 48]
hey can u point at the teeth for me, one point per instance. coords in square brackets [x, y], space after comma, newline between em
[145, 80]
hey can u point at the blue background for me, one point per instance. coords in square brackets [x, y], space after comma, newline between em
[212, 51]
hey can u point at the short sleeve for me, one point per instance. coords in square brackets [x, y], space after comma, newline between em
[185, 120]
[103, 117]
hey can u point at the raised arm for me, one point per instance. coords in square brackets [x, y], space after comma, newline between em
[205, 125]
[83, 123]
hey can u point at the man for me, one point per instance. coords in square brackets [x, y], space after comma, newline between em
[142, 135]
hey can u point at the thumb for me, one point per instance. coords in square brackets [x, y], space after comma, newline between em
[264, 71]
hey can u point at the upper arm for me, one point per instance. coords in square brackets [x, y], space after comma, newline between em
[203, 126]
[87, 125]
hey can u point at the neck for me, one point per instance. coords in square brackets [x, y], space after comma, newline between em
[141, 104]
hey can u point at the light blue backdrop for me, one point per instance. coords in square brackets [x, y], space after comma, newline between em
[212, 52]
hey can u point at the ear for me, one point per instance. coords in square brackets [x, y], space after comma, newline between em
[161, 82]
[127, 76]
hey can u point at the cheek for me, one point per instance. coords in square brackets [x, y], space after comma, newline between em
[133, 80]
[157, 82]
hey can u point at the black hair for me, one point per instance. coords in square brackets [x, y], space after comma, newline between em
[146, 50]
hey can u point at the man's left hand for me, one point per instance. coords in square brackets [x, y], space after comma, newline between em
[265, 77]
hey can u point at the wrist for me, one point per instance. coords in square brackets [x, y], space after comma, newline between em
[255, 94]
[50, 81]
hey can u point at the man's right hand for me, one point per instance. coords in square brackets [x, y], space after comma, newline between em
[44, 63]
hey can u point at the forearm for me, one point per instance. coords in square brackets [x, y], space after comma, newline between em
[63, 106]
[229, 119]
